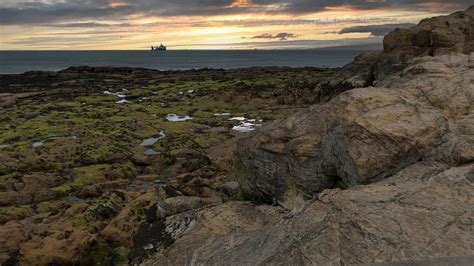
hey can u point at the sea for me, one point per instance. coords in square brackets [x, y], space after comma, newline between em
[14, 62]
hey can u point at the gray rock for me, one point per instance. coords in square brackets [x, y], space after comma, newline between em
[424, 211]
[231, 188]
[175, 205]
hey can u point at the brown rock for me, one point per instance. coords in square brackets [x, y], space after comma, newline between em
[64, 244]
[121, 229]
[367, 134]
[422, 212]
[431, 37]
[147, 178]
[11, 235]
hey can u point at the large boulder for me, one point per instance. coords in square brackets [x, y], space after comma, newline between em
[434, 36]
[364, 135]
[425, 211]
[431, 37]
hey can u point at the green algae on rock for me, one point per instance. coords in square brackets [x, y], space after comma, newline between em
[82, 177]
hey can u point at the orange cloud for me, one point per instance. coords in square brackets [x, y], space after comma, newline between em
[117, 4]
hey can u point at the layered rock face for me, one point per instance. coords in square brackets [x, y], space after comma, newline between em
[422, 212]
[431, 37]
[434, 36]
[424, 112]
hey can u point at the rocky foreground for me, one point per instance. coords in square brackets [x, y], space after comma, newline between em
[378, 174]
[86, 153]
[372, 164]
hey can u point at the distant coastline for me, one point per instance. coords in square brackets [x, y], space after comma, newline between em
[15, 62]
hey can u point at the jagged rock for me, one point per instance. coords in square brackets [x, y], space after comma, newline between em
[171, 206]
[434, 36]
[424, 211]
[367, 134]
[120, 229]
[431, 37]
[206, 225]
[360, 71]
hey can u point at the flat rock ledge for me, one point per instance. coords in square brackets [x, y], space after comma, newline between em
[425, 211]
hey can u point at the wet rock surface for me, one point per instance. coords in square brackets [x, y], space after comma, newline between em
[79, 172]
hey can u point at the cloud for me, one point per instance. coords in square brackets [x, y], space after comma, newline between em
[375, 30]
[282, 36]
[41, 11]
[311, 6]
[374, 43]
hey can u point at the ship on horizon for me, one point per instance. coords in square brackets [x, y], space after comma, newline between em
[159, 48]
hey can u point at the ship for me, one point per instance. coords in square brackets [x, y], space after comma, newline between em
[159, 48]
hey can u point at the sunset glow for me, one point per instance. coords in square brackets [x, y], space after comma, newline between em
[239, 24]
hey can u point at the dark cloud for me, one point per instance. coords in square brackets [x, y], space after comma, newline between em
[375, 30]
[287, 22]
[88, 25]
[307, 6]
[53, 11]
[282, 36]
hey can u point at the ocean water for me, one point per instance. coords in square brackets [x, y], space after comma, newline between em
[21, 61]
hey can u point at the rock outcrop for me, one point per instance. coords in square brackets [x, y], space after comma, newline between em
[364, 135]
[422, 212]
[431, 37]
[387, 172]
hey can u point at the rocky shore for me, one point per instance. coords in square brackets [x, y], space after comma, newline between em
[370, 163]
[383, 173]
[86, 153]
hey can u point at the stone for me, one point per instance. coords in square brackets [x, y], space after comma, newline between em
[147, 178]
[431, 37]
[231, 188]
[12, 234]
[171, 206]
[423, 211]
[366, 134]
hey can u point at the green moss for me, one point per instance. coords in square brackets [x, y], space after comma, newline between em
[138, 211]
[206, 141]
[239, 173]
[19, 212]
[88, 175]
[63, 189]
[291, 188]
[106, 255]
[103, 208]
[83, 222]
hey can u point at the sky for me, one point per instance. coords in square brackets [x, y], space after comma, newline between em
[207, 24]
